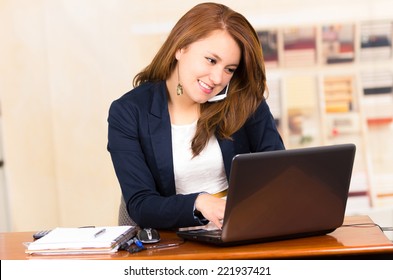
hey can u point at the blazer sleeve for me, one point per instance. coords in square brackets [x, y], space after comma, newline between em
[148, 204]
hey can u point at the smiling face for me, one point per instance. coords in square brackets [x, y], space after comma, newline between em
[206, 66]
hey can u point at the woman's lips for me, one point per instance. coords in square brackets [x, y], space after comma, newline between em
[205, 87]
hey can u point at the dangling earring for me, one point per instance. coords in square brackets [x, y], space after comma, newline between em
[179, 88]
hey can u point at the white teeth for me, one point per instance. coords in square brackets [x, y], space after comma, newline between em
[205, 85]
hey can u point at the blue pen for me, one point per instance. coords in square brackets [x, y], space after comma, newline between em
[139, 246]
[138, 243]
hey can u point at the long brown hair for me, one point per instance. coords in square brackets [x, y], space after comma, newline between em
[247, 85]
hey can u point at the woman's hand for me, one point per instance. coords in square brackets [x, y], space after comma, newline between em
[211, 207]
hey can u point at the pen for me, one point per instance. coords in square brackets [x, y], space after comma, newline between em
[99, 232]
[161, 246]
[138, 243]
[126, 245]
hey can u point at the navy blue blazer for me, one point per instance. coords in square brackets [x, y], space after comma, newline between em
[140, 145]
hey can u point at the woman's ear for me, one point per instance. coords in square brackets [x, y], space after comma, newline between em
[178, 53]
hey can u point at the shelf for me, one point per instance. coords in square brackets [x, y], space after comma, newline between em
[333, 84]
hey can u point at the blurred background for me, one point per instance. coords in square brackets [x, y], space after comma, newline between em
[62, 62]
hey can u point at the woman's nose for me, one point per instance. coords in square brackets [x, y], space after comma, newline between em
[216, 76]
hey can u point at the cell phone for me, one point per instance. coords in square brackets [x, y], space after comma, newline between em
[41, 233]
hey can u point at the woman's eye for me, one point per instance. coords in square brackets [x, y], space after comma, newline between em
[231, 70]
[211, 60]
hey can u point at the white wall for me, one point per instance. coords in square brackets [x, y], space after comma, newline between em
[61, 64]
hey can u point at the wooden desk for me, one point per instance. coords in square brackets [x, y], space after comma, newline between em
[347, 242]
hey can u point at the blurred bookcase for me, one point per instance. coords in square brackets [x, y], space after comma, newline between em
[332, 83]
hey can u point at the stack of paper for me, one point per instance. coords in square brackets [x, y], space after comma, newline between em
[97, 240]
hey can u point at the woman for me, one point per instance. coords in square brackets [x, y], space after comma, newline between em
[195, 106]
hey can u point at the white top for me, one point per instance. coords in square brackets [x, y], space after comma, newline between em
[203, 173]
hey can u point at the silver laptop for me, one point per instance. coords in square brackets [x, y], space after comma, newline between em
[283, 194]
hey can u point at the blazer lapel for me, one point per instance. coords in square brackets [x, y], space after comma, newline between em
[160, 131]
